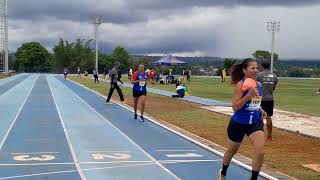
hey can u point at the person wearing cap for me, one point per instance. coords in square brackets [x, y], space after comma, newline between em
[269, 82]
[113, 74]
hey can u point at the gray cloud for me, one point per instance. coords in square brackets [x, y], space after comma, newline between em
[213, 28]
[127, 11]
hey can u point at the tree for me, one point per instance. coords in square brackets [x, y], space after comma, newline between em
[261, 55]
[105, 60]
[227, 63]
[120, 55]
[297, 72]
[32, 57]
[316, 72]
[73, 55]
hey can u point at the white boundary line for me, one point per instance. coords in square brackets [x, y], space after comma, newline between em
[113, 162]
[91, 169]
[176, 150]
[185, 137]
[15, 119]
[135, 144]
[15, 85]
[66, 134]
[110, 151]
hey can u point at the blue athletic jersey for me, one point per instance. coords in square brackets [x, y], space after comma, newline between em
[142, 85]
[250, 112]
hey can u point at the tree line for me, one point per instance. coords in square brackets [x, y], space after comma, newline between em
[33, 57]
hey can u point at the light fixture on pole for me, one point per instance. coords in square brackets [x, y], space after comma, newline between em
[273, 26]
[96, 22]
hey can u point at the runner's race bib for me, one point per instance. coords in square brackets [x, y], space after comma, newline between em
[142, 83]
[255, 104]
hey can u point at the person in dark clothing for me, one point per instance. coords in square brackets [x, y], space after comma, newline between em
[95, 75]
[65, 72]
[105, 72]
[269, 82]
[119, 77]
[113, 73]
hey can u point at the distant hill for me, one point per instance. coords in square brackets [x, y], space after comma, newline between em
[301, 63]
[193, 61]
[217, 61]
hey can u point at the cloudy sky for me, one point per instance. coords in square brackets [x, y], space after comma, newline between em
[224, 28]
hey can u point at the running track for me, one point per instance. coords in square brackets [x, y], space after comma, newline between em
[52, 128]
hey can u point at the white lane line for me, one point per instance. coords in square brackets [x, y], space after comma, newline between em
[135, 144]
[111, 151]
[15, 119]
[35, 153]
[186, 155]
[237, 162]
[176, 150]
[75, 159]
[103, 168]
[112, 162]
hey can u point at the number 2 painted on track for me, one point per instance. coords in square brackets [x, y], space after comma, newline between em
[28, 158]
[117, 156]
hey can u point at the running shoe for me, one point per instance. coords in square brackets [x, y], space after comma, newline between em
[141, 118]
[135, 117]
[108, 102]
[269, 138]
[221, 177]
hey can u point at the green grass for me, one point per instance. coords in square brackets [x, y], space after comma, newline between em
[294, 95]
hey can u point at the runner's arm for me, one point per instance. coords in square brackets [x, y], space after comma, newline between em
[238, 101]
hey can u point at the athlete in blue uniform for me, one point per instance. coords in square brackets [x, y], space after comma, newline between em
[139, 81]
[247, 117]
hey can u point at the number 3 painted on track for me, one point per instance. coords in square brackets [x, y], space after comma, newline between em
[28, 158]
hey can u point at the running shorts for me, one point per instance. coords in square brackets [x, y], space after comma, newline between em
[237, 131]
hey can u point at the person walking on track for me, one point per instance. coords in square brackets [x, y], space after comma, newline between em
[114, 83]
[247, 117]
[79, 72]
[65, 72]
[130, 71]
[139, 81]
[95, 75]
[269, 82]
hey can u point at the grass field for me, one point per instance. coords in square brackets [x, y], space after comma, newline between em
[291, 94]
[286, 153]
[5, 75]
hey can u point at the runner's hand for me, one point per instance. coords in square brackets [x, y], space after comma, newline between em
[250, 94]
[263, 113]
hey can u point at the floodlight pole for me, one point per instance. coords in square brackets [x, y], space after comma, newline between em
[273, 26]
[97, 22]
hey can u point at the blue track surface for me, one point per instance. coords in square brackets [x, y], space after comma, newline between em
[8, 84]
[55, 129]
